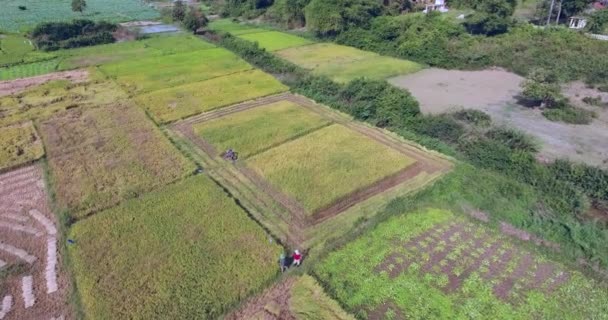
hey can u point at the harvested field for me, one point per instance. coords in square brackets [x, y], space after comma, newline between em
[99, 156]
[434, 264]
[494, 92]
[33, 284]
[44, 101]
[171, 253]
[174, 70]
[319, 55]
[176, 103]
[19, 144]
[274, 40]
[279, 211]
[17, 86]
[266, 126]
[293, 298]
[339, 161]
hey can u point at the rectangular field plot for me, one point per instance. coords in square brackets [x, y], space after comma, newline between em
[184, 252]
[179, 102]
[166, 71]
[99, 156]
[226, 25]
[274, 40]
[326, 165]
[264, 127]
[19, 144]
[323, 54]
[434, 264]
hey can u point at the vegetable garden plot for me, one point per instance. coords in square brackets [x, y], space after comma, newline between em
[184, 252]
[274, 40]
[433, 264]
[332, 206]
[19, 144]
[176, 103]
[100, 156]
[33, 284]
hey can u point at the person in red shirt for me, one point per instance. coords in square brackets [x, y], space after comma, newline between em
[297, 258]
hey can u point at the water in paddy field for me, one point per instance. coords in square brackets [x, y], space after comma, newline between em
[160, 28]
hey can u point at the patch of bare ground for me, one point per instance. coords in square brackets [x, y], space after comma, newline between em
[495, 92]
[458, 250]
[20, 85]
[272, 304]
[33, 284]
[386, 310]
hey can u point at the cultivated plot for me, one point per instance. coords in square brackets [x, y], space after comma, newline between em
[433, 264]
[19, 144]
[274, 40]
[166, 71]
[293, 298]
[304, 170]
[179, 102]
[226, 25]
[32, 282]
[99, 156]
[184, 252]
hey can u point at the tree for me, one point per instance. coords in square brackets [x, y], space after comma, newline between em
[79, 5]
[542, 88]
[574, 7]
[598, 22]
[491, 18]
[195, 19]
[331, 17]
[179, 11]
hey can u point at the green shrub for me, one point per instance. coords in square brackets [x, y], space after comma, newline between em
[513, 139]
[569, 115]
[473, 117]
[441, 127]
[52, 36]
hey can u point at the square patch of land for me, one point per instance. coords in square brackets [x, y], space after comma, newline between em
[19, 144]
[274, 40]
[374, 68]
[251, 131]
[176, 103]
[100, 156]
[165, 71]
[319, 55]
[186, 251]
[326, 165]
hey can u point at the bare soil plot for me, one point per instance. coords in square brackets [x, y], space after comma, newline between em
[433, 263]
[280, 210]
[291, 299]
[494, 92]
[20, 85]
[99, 156]
[33, 284]
[19, 144]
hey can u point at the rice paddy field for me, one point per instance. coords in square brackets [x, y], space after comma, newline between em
[15, 49]
[434, 264]
[100, 156]
[186, 251]
[19, 144]
[14, 19]
[340, 63]
[338, 162]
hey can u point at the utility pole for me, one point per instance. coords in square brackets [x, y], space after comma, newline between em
[550, 12]
[559, 13]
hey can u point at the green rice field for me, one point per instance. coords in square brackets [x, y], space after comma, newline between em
[184, 252]
[28, 69]
[434, 264]
[12, 19]
[274, 40]
[252, 131]
[16, 49]
[179, 102]
[338, 161]
[226, 25]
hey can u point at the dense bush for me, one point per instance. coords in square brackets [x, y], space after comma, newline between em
[289, 13]
[473, 117]
[569, 115]
[513, 139]
[331, 17]
[441, 127]
[78, 33]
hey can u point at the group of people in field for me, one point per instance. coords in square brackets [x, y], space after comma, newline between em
[294, 260]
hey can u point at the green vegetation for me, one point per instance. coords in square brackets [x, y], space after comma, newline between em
[186, 251]
[180, 102]
[13, 19]
[159, 72]
[41, 102]
[50, 36]
[16, 49]
[374, 68]
[100, 156]
[323, 54]
[234, 28]
[19, 144]
[309, 301]
[28, 69]
[274, 40]
[415, 275]
[252, 131]
[338, 161]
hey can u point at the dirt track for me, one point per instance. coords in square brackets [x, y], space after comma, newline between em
[19, 85]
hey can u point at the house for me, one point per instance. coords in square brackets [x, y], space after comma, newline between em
[434, 5]
[580, 22]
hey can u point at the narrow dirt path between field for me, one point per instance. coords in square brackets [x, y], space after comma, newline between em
[19, 85]
[273, 304]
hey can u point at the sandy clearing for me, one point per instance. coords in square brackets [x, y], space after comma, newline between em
[20, 253]
[494, 91]
[27, 289]
[7, 304]
[19, 85]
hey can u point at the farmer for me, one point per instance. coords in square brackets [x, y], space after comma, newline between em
[297, 258]
[283, 263]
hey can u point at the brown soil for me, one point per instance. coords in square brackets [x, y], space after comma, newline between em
[20, 85]
[381, 312]
[22, 190]
[273, 304]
